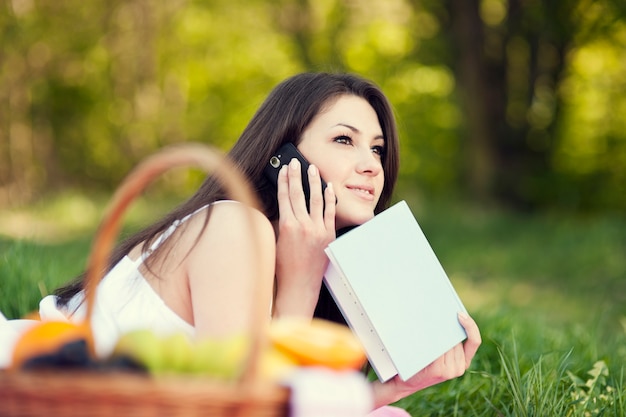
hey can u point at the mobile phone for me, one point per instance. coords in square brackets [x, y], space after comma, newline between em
[282, 157]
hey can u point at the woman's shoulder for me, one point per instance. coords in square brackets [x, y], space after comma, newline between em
[233, 218]
[234, 233]
[231, 209]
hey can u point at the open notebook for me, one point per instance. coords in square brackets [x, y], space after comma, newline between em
[394, 293]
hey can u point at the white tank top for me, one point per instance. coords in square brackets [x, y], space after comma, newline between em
[125, 301]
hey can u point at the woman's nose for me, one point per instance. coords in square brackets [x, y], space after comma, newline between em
[369, 163]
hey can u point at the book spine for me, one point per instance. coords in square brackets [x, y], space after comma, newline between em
[359, 322]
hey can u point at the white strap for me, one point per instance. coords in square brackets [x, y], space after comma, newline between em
[167, 233]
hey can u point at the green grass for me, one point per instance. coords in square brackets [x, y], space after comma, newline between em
[47, 244]
[528, 367]
[30, 270]
[548, 292]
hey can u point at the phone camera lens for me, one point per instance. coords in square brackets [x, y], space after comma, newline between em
[274, 162]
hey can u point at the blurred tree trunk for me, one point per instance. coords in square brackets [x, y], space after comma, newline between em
[314, 40]
[482, 85]
[23, 151]
[508, 74]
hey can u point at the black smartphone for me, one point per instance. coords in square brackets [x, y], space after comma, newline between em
[282, 157]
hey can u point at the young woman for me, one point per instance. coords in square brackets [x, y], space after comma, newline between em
[189, 270]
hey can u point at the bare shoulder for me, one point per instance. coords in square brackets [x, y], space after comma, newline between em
[231, 208]
[237, 214]
[231, 220]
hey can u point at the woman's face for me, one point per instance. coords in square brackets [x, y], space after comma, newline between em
[345, 142]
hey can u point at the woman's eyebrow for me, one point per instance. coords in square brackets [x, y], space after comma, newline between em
[355, 130]
[352, 128]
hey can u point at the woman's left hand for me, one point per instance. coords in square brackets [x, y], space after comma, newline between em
[450, 365]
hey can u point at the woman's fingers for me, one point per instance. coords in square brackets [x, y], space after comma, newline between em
[284, 204]
[296, 191]
[314, 229]
[291, 202]
[316, 201]
[291, 197]
[452, 363]
[459, 360]
[329, 210]
[473, 338]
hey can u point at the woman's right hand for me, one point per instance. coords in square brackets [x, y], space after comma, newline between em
[302, 238]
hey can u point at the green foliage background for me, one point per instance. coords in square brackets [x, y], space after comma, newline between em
[89, 88]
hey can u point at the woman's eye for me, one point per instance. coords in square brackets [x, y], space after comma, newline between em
[378, 150]
[343, 139]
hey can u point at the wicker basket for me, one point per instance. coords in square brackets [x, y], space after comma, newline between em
[84, 393]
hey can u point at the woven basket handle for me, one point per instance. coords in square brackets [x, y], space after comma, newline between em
[236, 185]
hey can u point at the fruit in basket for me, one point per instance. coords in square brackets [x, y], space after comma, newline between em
[142, 346]
[222, 358]
[276, 364]
[45, 341]
[177, 352]
[318, 342]
[294, 342]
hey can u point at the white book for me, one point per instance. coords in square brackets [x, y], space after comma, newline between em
[394, 293]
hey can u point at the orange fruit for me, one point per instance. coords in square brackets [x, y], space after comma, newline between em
[47, 337]
[318, 342]
[275, 364]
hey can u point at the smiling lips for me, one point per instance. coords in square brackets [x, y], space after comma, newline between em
[363, 191]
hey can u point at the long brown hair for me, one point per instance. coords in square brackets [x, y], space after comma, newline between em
[283, 116]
